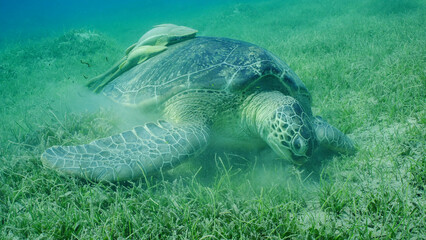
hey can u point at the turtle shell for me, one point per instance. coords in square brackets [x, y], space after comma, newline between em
[206, 63]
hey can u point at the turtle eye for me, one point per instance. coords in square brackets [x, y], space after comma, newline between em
[299, 146]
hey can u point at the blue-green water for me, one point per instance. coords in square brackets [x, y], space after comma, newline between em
[35, 19]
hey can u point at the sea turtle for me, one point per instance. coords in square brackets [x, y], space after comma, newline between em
[150, 44]
[209, 91]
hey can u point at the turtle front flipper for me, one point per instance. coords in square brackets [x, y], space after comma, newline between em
[331, 137]
[132, 154]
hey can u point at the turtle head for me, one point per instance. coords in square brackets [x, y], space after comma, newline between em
[289, 132]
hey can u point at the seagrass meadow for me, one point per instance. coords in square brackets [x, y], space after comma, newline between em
[363, 62]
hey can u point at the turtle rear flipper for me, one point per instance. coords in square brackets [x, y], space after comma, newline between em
[331, 137]
[130, 154]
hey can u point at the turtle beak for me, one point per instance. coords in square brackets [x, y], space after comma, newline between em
[299, 160]
[278, 149]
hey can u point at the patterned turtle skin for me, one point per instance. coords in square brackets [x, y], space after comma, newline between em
[208, 91]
